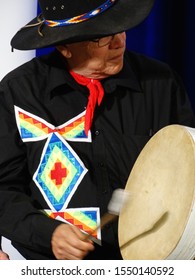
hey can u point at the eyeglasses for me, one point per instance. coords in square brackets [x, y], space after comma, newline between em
[104, 41]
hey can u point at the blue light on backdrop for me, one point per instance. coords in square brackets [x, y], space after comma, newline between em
[168, 34]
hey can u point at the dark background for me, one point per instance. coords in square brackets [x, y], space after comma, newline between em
[168, 34]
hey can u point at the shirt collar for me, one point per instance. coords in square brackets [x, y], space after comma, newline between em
[125, 78]
[58, 75]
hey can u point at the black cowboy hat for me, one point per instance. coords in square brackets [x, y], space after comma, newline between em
[69, 21]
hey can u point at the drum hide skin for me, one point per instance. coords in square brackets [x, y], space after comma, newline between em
[161, 187]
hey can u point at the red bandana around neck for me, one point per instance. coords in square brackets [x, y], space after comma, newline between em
[96, 93]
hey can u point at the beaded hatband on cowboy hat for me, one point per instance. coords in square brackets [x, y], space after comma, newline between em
[69, 21]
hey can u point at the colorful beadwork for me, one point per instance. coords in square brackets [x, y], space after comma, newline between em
[59, 173]
[60, 170]
[86, 219]
[34, 128]
[80, 18]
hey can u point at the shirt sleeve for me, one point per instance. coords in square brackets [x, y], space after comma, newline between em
[20, 221]
[182, 111]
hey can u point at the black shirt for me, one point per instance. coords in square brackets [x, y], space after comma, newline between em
[37, 101]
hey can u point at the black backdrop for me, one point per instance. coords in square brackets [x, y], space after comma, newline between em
[168, 34]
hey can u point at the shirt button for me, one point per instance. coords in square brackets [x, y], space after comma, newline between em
[110, 87]
[107, 226]
[97, 132]
[104, 191]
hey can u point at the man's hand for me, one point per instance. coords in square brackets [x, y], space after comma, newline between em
[69, 243]
[3, 255]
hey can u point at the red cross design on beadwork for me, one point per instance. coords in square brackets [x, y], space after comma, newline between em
[58, 173]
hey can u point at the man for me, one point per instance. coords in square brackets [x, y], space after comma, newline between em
[74, 122]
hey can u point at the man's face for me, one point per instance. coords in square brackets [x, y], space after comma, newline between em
[95, 61]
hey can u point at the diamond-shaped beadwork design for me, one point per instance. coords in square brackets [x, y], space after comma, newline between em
[59, 173]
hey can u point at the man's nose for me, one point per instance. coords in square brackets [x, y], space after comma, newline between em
[119, 40]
